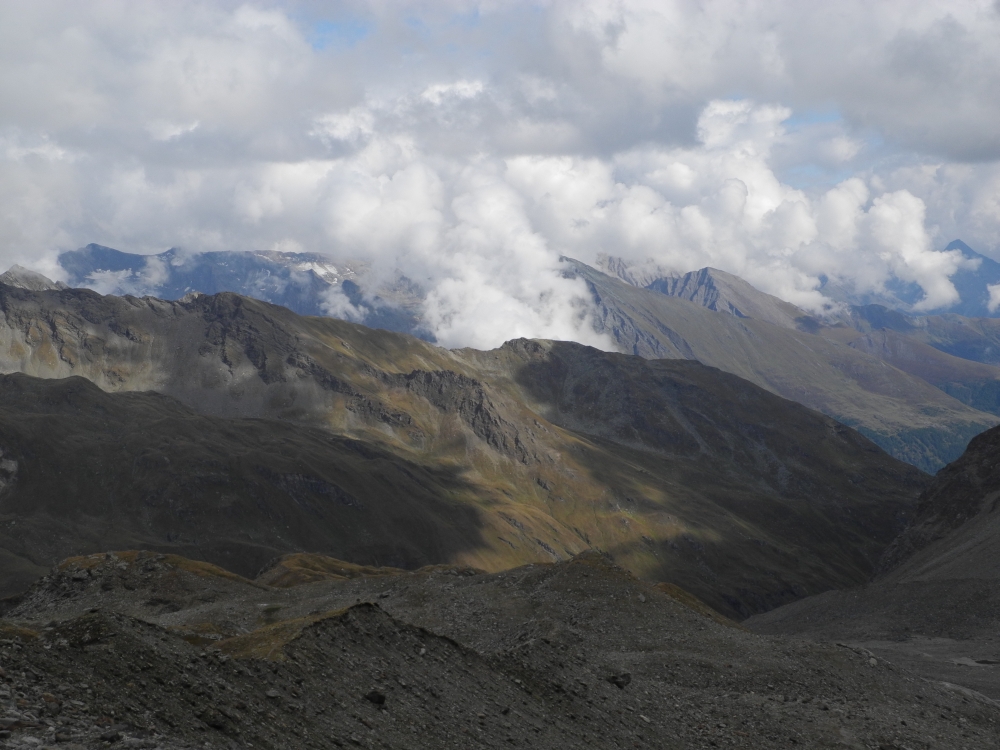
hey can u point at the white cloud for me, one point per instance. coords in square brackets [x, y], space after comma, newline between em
[994, 292]
[164, 130]
[438, 93]
[337, 305]
[779, 141]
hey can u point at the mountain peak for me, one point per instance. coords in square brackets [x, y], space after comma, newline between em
[712, 288]
[25, 278]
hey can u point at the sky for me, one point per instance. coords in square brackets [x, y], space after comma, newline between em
[471, 145]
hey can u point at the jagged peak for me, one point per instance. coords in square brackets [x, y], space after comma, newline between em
[709, 287]
[25, 278]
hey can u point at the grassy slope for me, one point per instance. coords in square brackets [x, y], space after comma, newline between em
[688, 487]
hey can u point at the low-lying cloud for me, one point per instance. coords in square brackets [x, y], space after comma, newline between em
[469, 146]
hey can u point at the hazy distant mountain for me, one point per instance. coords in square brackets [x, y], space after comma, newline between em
[534, 451]
[717, 290]
[976, 339]
[308, 283]
[971, 382]
[971, 285]
[909, 417]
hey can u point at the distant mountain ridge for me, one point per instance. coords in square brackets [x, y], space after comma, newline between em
[307, 283]
[708, 315]
[711, 288]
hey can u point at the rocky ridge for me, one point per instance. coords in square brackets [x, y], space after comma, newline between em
[577, 654]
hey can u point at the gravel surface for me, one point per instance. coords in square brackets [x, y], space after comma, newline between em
[149, 651]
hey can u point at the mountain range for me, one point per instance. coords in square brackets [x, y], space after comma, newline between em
[792, 355]
[307, 283]
[538, 450]
[296, 525]
[720, 320]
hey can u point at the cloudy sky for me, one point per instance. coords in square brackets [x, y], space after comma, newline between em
[471, 144]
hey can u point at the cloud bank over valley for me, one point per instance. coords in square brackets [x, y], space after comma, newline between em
[469, 146]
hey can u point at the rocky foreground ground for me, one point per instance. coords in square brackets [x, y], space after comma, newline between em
[144, 650]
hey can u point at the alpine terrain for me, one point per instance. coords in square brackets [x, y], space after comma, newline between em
[223, 524]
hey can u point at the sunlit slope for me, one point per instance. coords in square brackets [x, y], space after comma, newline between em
[535, 451]
[904, 414]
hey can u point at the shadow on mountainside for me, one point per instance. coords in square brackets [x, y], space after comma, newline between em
[83, 470]
[751, 500]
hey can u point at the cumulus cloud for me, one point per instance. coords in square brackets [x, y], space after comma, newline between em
[468, 145]
[337, 305]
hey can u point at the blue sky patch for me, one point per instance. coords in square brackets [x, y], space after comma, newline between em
[325, 34]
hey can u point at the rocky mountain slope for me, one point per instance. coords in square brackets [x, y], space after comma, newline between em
[717, 290]
[956, 354]
[906, 415]
[534, 451]
[936, 601]
[767, 343]
[142, 650]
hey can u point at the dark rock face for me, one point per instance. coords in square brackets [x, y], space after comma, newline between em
[966, 491]
[571, 655]
[473, 402]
